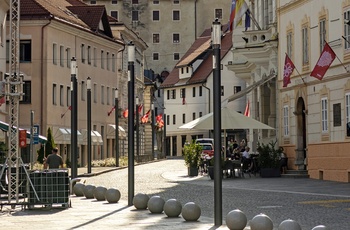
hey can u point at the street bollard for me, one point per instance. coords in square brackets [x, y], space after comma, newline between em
[261, 222]
[89, 191]
[289, 225]
[112, 195]
[140, 201]
[78, 189]
[236, 220]
[191, 211]
[99, 193]
[172, 208]
[156, 204]
[320, 227]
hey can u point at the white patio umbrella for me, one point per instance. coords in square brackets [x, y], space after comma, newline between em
[229, 120]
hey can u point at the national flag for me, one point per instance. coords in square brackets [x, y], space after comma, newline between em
[69, 108]
[247, 20]
[324, 62]
[288, 70]
[144, 118]
[241, 9]
[109, 113]
[159, 117]
[233, 13]
[140, 108]
[247, 110]
[125, 113]
[2, 100]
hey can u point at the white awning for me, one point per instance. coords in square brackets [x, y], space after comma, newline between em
[111, 132]
[63, 136]
[96, 138]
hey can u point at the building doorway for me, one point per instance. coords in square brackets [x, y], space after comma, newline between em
[301, 152]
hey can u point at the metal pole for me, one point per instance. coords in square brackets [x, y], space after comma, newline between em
[88, 87]
[137, 127]
[131, 120]
[116, 127]
[216, 41]
[32, 159]
[152, 125]
[74, 118]
[164, 135]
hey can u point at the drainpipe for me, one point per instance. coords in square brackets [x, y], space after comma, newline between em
[195, 19]
[208, 102]
[42, 76]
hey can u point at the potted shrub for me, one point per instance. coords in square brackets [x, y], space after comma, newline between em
[211, 167]
[192, 156]
[269, 159]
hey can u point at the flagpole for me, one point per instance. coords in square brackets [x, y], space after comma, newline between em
[253, 18]
[300, 76]
[339, 59]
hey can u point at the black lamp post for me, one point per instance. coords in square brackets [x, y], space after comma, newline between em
[116, 127]
[153, 128]
[74, 117]
[216, 42]
[88, 87]
[131, 140]
[137, 126]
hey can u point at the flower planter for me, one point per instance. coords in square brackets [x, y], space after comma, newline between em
[270, 172]
[192, 171]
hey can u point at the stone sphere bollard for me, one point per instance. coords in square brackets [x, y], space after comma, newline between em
[156, 204]
[172, 208]
[99, 193]
[191, 211]
[320, 227]
[140, 201]
[89, 191]
[261, 222]
[78, 189]
[112, 195]
[236, 220]
[289, 225]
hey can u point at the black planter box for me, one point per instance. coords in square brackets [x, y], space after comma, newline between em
[270, 172]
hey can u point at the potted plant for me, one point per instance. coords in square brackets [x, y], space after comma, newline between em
[192, 156]
[269, 159]
[211, 167]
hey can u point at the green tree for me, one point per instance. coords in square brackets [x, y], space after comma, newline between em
[50, 143]
[40, 154]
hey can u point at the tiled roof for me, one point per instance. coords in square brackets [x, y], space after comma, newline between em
[206, 67]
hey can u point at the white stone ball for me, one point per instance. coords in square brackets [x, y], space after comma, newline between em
[172, 208]
[112, 195]
[99, 193]
[156, 204]
[320, 227]
[78, 189]
[261, 222]
[191, 211]
[140, 201]
[89, 191]
[236, 220]
[289, 225]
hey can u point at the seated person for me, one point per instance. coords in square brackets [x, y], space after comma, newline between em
[236, 154]
[246, 160]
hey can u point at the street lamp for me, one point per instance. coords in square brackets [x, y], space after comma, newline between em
[216, 42]
[131, 140]
[153, 128]
[74, 117]
[137, 127]
[88, 87]
[116, 127]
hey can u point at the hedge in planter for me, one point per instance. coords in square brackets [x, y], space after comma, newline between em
[269, 159]
[192, 156]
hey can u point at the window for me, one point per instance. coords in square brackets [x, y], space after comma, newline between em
[194, 92]
[168, 94]
[176, 15]
[61, 95]
[200, 114]
[61, 56]
[183, 118]
[176, 56]
[135, 15]
[174, 119]
[68, 57]
[156, 2]
[1, 34]
[222, 90]
[54, 54]
[346, 29]
[237, 89]
[95, 57]
[176, 1]
[155, 56]
[114, 1]
[102, 60]
[183, 93]
[337, 114]
[69, 95]
[135, 1]
[322, 34]
[113, 62]
[218, 13]
[305, 46]
[155, 38]
[167, 119]
[158, 93]
[82, 53]
[89, 55]
[286, 120]
[83, 91]
[108, 96]
[114, 14]
[155, 15]
[200, 91]
[54, 94]
[324, 114]
[173, 94]
[347, 107]
[108, 61]
[193, 116]
[95, 93]
[25, 51]
[102, 94]
[92, 2]
[27, 90]
[176, 38]
[289, 44]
